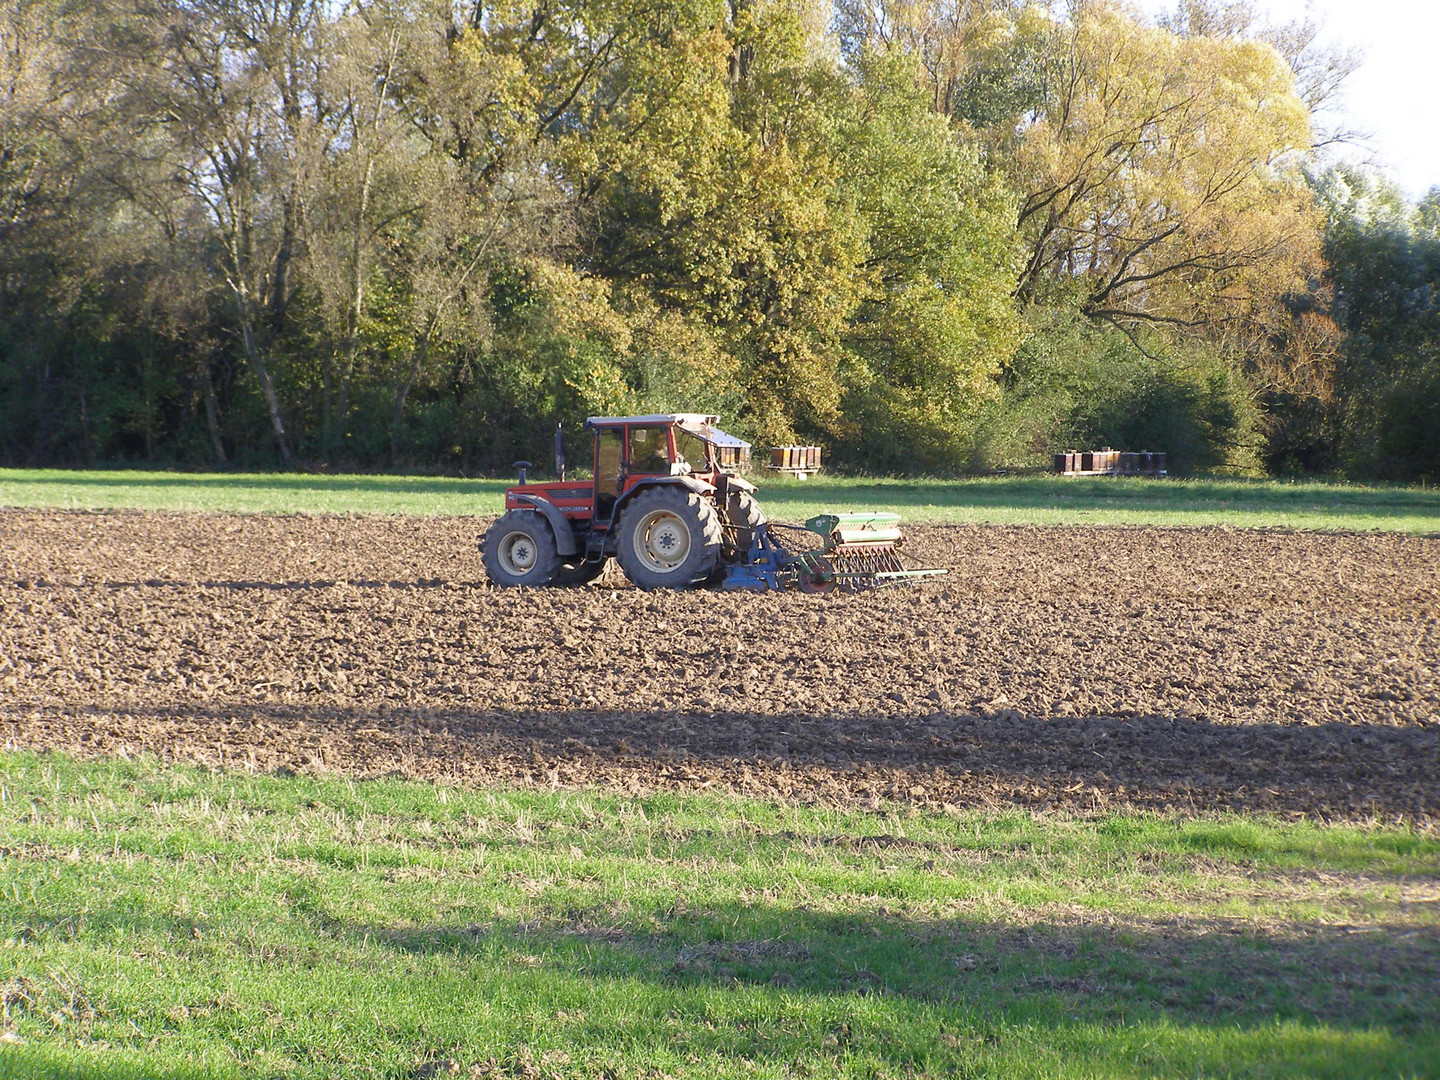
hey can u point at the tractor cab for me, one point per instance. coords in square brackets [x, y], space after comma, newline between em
[633, 450]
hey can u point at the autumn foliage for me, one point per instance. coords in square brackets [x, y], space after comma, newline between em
[932, 234]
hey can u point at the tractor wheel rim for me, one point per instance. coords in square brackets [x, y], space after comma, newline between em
[662, 541]
[518, 553]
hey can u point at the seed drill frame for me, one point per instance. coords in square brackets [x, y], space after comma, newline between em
[859, 552]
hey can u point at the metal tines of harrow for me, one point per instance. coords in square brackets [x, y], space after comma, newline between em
[860, 549]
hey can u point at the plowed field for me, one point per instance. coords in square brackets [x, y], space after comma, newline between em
[1297, 674]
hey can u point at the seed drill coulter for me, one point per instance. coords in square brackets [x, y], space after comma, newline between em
[662, 505]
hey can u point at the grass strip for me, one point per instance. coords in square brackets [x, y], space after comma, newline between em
[1029, 500]
[172, 922]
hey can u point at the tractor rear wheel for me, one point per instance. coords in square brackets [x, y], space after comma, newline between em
[670, 538]
[519, 549]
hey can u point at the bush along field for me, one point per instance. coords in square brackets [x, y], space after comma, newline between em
[172, 922]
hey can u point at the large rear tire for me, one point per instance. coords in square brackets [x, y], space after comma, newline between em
[670, 538]
[519, 550]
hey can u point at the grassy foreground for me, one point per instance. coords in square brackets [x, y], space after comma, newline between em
[1032, 500]
[168, 922]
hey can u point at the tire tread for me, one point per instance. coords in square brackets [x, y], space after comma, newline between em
[698, 511]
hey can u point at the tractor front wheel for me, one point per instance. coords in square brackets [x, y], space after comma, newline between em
[519, 549]
[670, 538]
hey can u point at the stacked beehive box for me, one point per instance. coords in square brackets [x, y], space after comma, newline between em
[801, 460]
[1108, 462]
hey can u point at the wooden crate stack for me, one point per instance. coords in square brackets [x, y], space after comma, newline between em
[1107, 462]
[735, 457]
[801, 460]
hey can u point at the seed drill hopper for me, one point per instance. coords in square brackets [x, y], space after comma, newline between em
[661, 503]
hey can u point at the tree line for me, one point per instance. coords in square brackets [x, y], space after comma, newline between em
[934, 235]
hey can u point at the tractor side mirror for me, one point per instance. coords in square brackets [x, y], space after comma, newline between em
[522, 466]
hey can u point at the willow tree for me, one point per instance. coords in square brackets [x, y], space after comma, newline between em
[1160, 174]
[1158, 167]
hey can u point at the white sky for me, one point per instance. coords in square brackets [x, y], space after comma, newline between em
[1394, 98]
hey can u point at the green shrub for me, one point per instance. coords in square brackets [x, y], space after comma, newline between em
[1406, 443]
[1075, 385]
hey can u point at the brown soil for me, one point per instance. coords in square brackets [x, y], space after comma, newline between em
[1075, 668]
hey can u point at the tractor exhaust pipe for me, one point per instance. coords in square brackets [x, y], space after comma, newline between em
[559, 452]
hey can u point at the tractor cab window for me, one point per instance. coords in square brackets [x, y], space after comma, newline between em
[692, 448]
[608, 446]
[649, 450]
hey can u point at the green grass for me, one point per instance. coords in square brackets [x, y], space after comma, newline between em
[250, 493]
[1034, 500]
[169, 922]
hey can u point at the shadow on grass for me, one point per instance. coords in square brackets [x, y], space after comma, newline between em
[1104, 970]
[1094, 967]
[908, 994]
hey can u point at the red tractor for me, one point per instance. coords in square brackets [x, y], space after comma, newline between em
[658, 503]
[661, 504]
